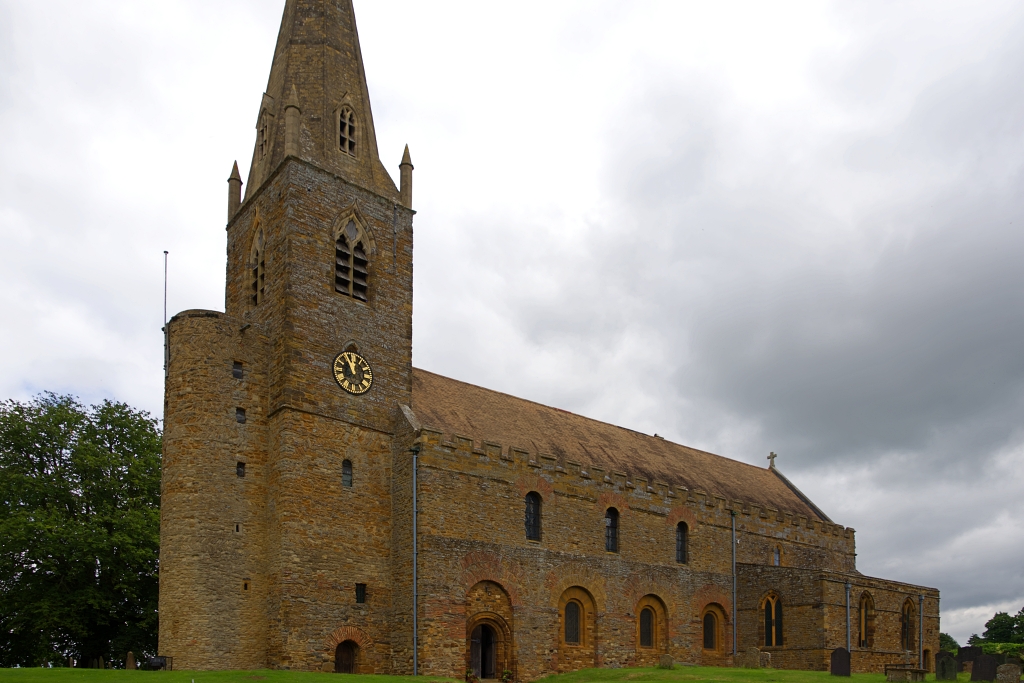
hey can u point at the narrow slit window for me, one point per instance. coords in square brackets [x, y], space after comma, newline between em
[240, 469]
[360, 593]
[647, 627]
[611, 530]
[236, 370]
[682, 540]
[240, 415]
[346, 473]
[777, 557]
[263, 136]
[258, 269]
[351, 263]
[533, 516]
[572, 623]
[347, 131]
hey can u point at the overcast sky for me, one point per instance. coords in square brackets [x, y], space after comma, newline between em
[789, 227]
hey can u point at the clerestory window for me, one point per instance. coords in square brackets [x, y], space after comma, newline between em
[611, 530]
[347, 131]
[352, 265]
[533, 516]
[682, 540]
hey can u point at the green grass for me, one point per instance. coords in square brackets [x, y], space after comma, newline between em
[681, 674]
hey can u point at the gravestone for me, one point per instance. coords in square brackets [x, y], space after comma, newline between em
[984, 668]
[945, 669]
[666, 662]
[129, 662]
[840, 665]
[748, 659]
[1008, 673]
[156, 663]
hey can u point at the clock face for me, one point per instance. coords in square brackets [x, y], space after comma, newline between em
[352, 373]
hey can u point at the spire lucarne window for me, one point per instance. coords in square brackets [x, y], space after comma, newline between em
[347, 131]
[351, 268]
[257, 262]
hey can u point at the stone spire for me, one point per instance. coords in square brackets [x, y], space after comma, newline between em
[317, 78]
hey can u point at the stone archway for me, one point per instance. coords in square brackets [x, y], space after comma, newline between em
[490, 649]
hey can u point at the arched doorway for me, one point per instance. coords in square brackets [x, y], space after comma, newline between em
[345, 656]
[482, 651]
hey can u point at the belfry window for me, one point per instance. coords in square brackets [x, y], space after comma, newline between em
[351, 264]
[533, 516]
[772, 621]
[346, 473]
[347, 131]
[647, 627]
[611, 530]
[572, 623]
[682, 540]
[258, 268]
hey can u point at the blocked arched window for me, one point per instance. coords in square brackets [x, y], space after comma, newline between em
[573, 614]
[533, 516]
[710, 631]
[611, 530]
[907, 640]
[646, 627]
[682, 541]
[772, 621]
[346, 473]
[866, 622]
[347, 131]
[258, 268]
[352, 265]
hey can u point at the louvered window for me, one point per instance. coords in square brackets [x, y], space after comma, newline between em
[351, 270]
[572, 623]
[347, 131]
[647, 627]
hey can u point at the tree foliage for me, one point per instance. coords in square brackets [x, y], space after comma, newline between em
[1001, 628]
[79, 531]
[948, 643]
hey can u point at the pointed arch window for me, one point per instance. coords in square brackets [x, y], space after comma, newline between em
[347, 131]
[611, 530]
[346, 473]
[263, 136]
[682, 541]
[257, 264]
[351, 263]
[907, 625]
[772, 621]
[533, 516]
[866, 622]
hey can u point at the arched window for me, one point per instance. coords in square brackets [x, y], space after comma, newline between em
[611, 530]
[907, 625]
[351, 268]
[866, 622]
[347, 131]
[772, 621]
[257, 264]
[682, 539]
[263, 136]
[533, 516]
[572, 622]
[346, 473]
[777, 557]
[647, 627]
[710, 631]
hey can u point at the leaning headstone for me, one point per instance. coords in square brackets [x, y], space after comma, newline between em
[840, 665]
[945, 669]
[129, 662]
[984, 668]
[766, 660]
[1008, 673]
[666, 662]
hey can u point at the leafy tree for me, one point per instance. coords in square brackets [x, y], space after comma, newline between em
[1000, 628]
[79, 531]
[948, 643]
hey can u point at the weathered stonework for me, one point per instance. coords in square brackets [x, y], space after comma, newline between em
[263, 544]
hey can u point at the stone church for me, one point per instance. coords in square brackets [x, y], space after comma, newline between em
[328, 507]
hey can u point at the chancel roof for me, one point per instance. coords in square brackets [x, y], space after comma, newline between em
[455, 407]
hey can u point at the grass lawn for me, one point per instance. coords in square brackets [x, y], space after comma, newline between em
[681, 674]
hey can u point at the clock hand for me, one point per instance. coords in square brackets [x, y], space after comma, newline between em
[351, 364]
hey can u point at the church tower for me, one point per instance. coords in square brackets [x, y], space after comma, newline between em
[279, 412]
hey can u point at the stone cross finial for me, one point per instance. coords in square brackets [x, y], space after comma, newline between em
[771, 460]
